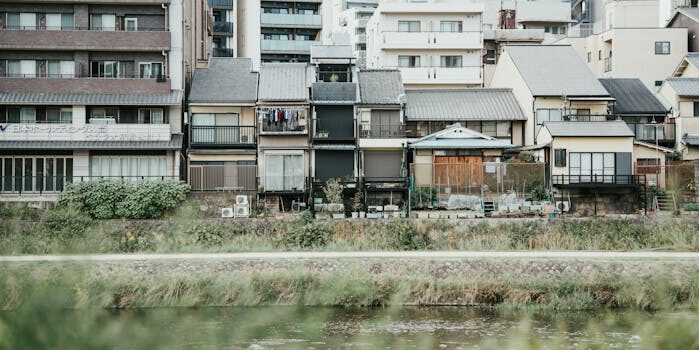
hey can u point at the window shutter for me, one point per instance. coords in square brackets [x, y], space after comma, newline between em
[560, 157]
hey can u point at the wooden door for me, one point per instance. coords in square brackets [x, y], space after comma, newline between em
[463, 174]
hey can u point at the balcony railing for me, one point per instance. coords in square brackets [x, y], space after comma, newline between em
[204, 135]
[223, 52]
[432, 40]
[598, 180]
[288, 45]
[224, 177]
[443, 75]
[382, 131]
[648, 132]
[284, 183]
[221, 4]
[82, 76]
[587, 118]
[90, 28]
[223, 27]
[284, 19]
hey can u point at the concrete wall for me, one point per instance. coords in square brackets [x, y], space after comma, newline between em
[506, 75]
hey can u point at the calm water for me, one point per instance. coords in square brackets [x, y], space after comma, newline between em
[401, 328]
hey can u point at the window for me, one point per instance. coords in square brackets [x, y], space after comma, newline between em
[489, 128]
[662, 47]
[599, 55]
[284, 172]
[554, 30]
[408, 61]
[105, 69]
[133, 167]
[59, 21]
[59, 115]
[589, 57]
[559, 157]
[130, 24]
[696, 109]
[150, 116]
[408, 26]
[648, 166]
[547, 29]
[35, 173]
[562, 30]
[592, 167]
[451, 26]
[61, 69]
[490, 56]
[451, 61]
[27, 21]
[578, 115]
[216, 176]
[21, 68]
[151, 70]
[104, 22]
[27, 115]
[12, 21]
[548, 115]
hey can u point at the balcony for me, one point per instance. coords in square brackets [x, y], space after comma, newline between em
[145, 39]
[222, 136]
[651, 132]
[290, 20]
[381, 131]
[441, 75]
[223, 52]
[221, 4]
[86, 132]
[223, 177]
[595, 181]
[432, 40]
[130, 85]
[223, 27]
[288, 46]
[285, 184]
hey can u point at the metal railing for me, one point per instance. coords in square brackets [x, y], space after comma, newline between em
[81, 28]
[81, 76]
[382, 131]
[223, 177]
[289, 184]
[597, 180]
[223, 27]
[647, 132]
[587, 117]
[221, 3]
[223, 52]
[222, 135]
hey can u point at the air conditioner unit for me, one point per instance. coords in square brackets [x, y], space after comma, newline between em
[226, 212]
[298, 206]
[241, 200]
[563, 206]
[242, 211]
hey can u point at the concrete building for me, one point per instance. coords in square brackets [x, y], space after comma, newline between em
[270, 31]
[349, 25]
[222, 152]
[89, 90]
[224, 27]
[687, 17]
[683, 96]
[597, 16]
[435, 44]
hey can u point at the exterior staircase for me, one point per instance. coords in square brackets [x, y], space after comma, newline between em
[666, 202]
[488, 207]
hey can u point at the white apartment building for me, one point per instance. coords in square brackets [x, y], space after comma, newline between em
[553, 17]
[602, 15]
[434, 43]
[349, 25]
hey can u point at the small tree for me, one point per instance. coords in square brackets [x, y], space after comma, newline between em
[357, 201]
[333, 196]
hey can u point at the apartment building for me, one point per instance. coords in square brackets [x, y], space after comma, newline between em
[224, 29]
[349, 26]
[89, 90]
[597, 16]
[436, 43]
[273, 31]
[687, 17]
[683, 96]
[222, 152]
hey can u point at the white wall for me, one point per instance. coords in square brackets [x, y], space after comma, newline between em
[249, 31]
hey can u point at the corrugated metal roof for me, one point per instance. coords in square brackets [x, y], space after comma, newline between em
[174, 98]
[691, 139]
[332, 51]
[684, 86]
[464, 104]
[225, 80]
[335, 147]
[380, 87]
[458, 137]
[588, 129]
[691, 12]
[283, 82]
[334, 92]
[174, 143]
[633, 97]
[693, 58]
[555, 70]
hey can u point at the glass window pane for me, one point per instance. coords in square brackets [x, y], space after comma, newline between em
[60, 173]
[27, 115]
[67, 21]
[39, 174]
[50, 180]
[28, 174]
[7, 179]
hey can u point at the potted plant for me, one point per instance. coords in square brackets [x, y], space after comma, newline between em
[322, 134]
[333, 197]
[357, 205]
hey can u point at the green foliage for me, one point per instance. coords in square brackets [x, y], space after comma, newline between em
[108, 199]
[403, 235]
[306, 236]
[524, 157]
[19, 212]
[357, 202]
[333, 191]
[306, 217]
[422, 197]
[538, 191]
[65, 223]
[691, 207]
[207, 234]
[673, 156]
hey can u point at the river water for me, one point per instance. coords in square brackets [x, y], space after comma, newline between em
[385, 328]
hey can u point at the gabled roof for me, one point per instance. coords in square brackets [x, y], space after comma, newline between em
[688, 87]
[458, 137]
[20, 98]
[691, 12]
[283, 82]
[462, 104]
[555, 70]
[692, 58]
[334, 93]
[332, 52]
[633, 97]
[589, 129]
[226, 80]
[380, 87]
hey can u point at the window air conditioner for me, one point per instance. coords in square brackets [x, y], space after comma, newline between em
[242, 211]
[226, 212]
[242, 200]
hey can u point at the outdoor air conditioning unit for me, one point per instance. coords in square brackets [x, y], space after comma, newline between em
[242, 211]
[226, 212]
[298, 206]
[563, 206]
[241, 200]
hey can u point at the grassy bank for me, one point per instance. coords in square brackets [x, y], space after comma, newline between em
[66, 231]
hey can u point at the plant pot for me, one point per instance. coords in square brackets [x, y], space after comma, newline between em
[355, 215]
[362, 214]
[338, 216]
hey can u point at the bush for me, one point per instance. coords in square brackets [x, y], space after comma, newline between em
[65, 223]
[691, 207]
[207, 234]
[108, 199]
[307, 236]
[403, 235]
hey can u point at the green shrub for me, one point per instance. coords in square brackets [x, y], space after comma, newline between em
[207, 234]
[108, 199]
[65, 222]
[306, 236]
[691, 207]
[403, 235]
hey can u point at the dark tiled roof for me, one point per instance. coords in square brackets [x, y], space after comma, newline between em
[632, 97]
[334, 92]
[174, 98]
[464, 104]
[283, 82]
[226, 80]
[588, 129]
[380, 87]
[174, 143]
